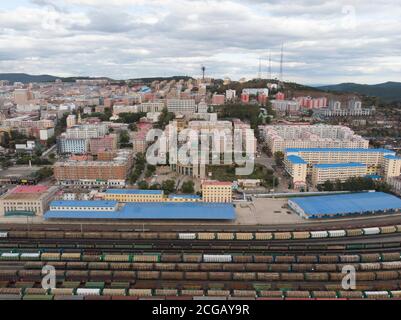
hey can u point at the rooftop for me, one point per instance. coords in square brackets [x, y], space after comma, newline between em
[296, 160]
[392, 157]
[338, 150]
[184, 196]
[83, 203]
[216, 183]
[348, 203]
[133, 191]
[29, 189]
[155, 211]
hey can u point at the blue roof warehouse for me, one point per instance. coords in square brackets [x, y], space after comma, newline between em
[332, 206]
[140, 211]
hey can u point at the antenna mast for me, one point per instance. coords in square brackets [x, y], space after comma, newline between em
[281, 63]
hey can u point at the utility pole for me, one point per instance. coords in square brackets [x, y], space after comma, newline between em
[270, 65]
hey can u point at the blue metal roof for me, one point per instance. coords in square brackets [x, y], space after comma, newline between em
[156, 211]
[339, 165]
[348, 203]
[89, 203]
[296, 160]
[133, 191]
[392, 157]
[338, 150]
[184, 196]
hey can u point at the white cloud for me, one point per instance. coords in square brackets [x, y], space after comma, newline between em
[325, 41]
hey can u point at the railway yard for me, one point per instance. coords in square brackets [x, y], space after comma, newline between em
[123, 262]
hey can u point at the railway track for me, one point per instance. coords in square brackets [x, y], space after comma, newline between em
[201, 226]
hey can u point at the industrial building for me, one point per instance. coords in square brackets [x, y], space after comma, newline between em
[26, 200]
[141, 211]
[332, 206]
[133, 195]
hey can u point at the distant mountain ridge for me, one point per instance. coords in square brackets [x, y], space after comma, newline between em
[388, 91]
[28, 78]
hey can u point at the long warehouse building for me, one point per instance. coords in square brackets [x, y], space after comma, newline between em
[334, 206]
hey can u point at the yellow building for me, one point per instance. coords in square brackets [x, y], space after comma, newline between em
[217, 191]
[337, 171]
[392, 166]
[131, 195]
[300, 163]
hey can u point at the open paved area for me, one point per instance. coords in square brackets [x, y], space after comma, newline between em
[266, 211]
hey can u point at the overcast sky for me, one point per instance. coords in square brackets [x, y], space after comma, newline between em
[324, 41]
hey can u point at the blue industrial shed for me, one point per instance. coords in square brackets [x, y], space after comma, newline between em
[331, 206]
[155, 211]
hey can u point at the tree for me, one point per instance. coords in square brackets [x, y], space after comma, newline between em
[168, 186]
[5, 141]
[188, 187]
[279, 158]
[155, 186]
[124, 137]
[150, 170]
[143, 185]
[164, 119]
[328, 186]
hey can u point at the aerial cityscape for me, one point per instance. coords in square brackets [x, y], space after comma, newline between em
[184, 179]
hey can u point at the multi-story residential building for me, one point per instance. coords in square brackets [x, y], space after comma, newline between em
[22, 96]
[72, 145]
[27, 122]
[152, 106]
[26, 201]
[218, 99]
[312, 103]
[290, 107]
[281, 137]
[217, 191]
[301, 162]
[231, 95]
[337, 171]
[202, 107]
[395, 183]
[117, 109]
[106, 143]
[71, 120]
[184, 106]
[86, 131]
[245, 98]
[280, 96]
[256, 91]
[95, 173]
[353, 109]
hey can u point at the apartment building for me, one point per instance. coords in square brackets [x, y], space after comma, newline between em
[337, 171]
[183, 106]
[86, 131]
[72, 145]
[377, 161]
[106, 143]
[95, 173]
[282, 137]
